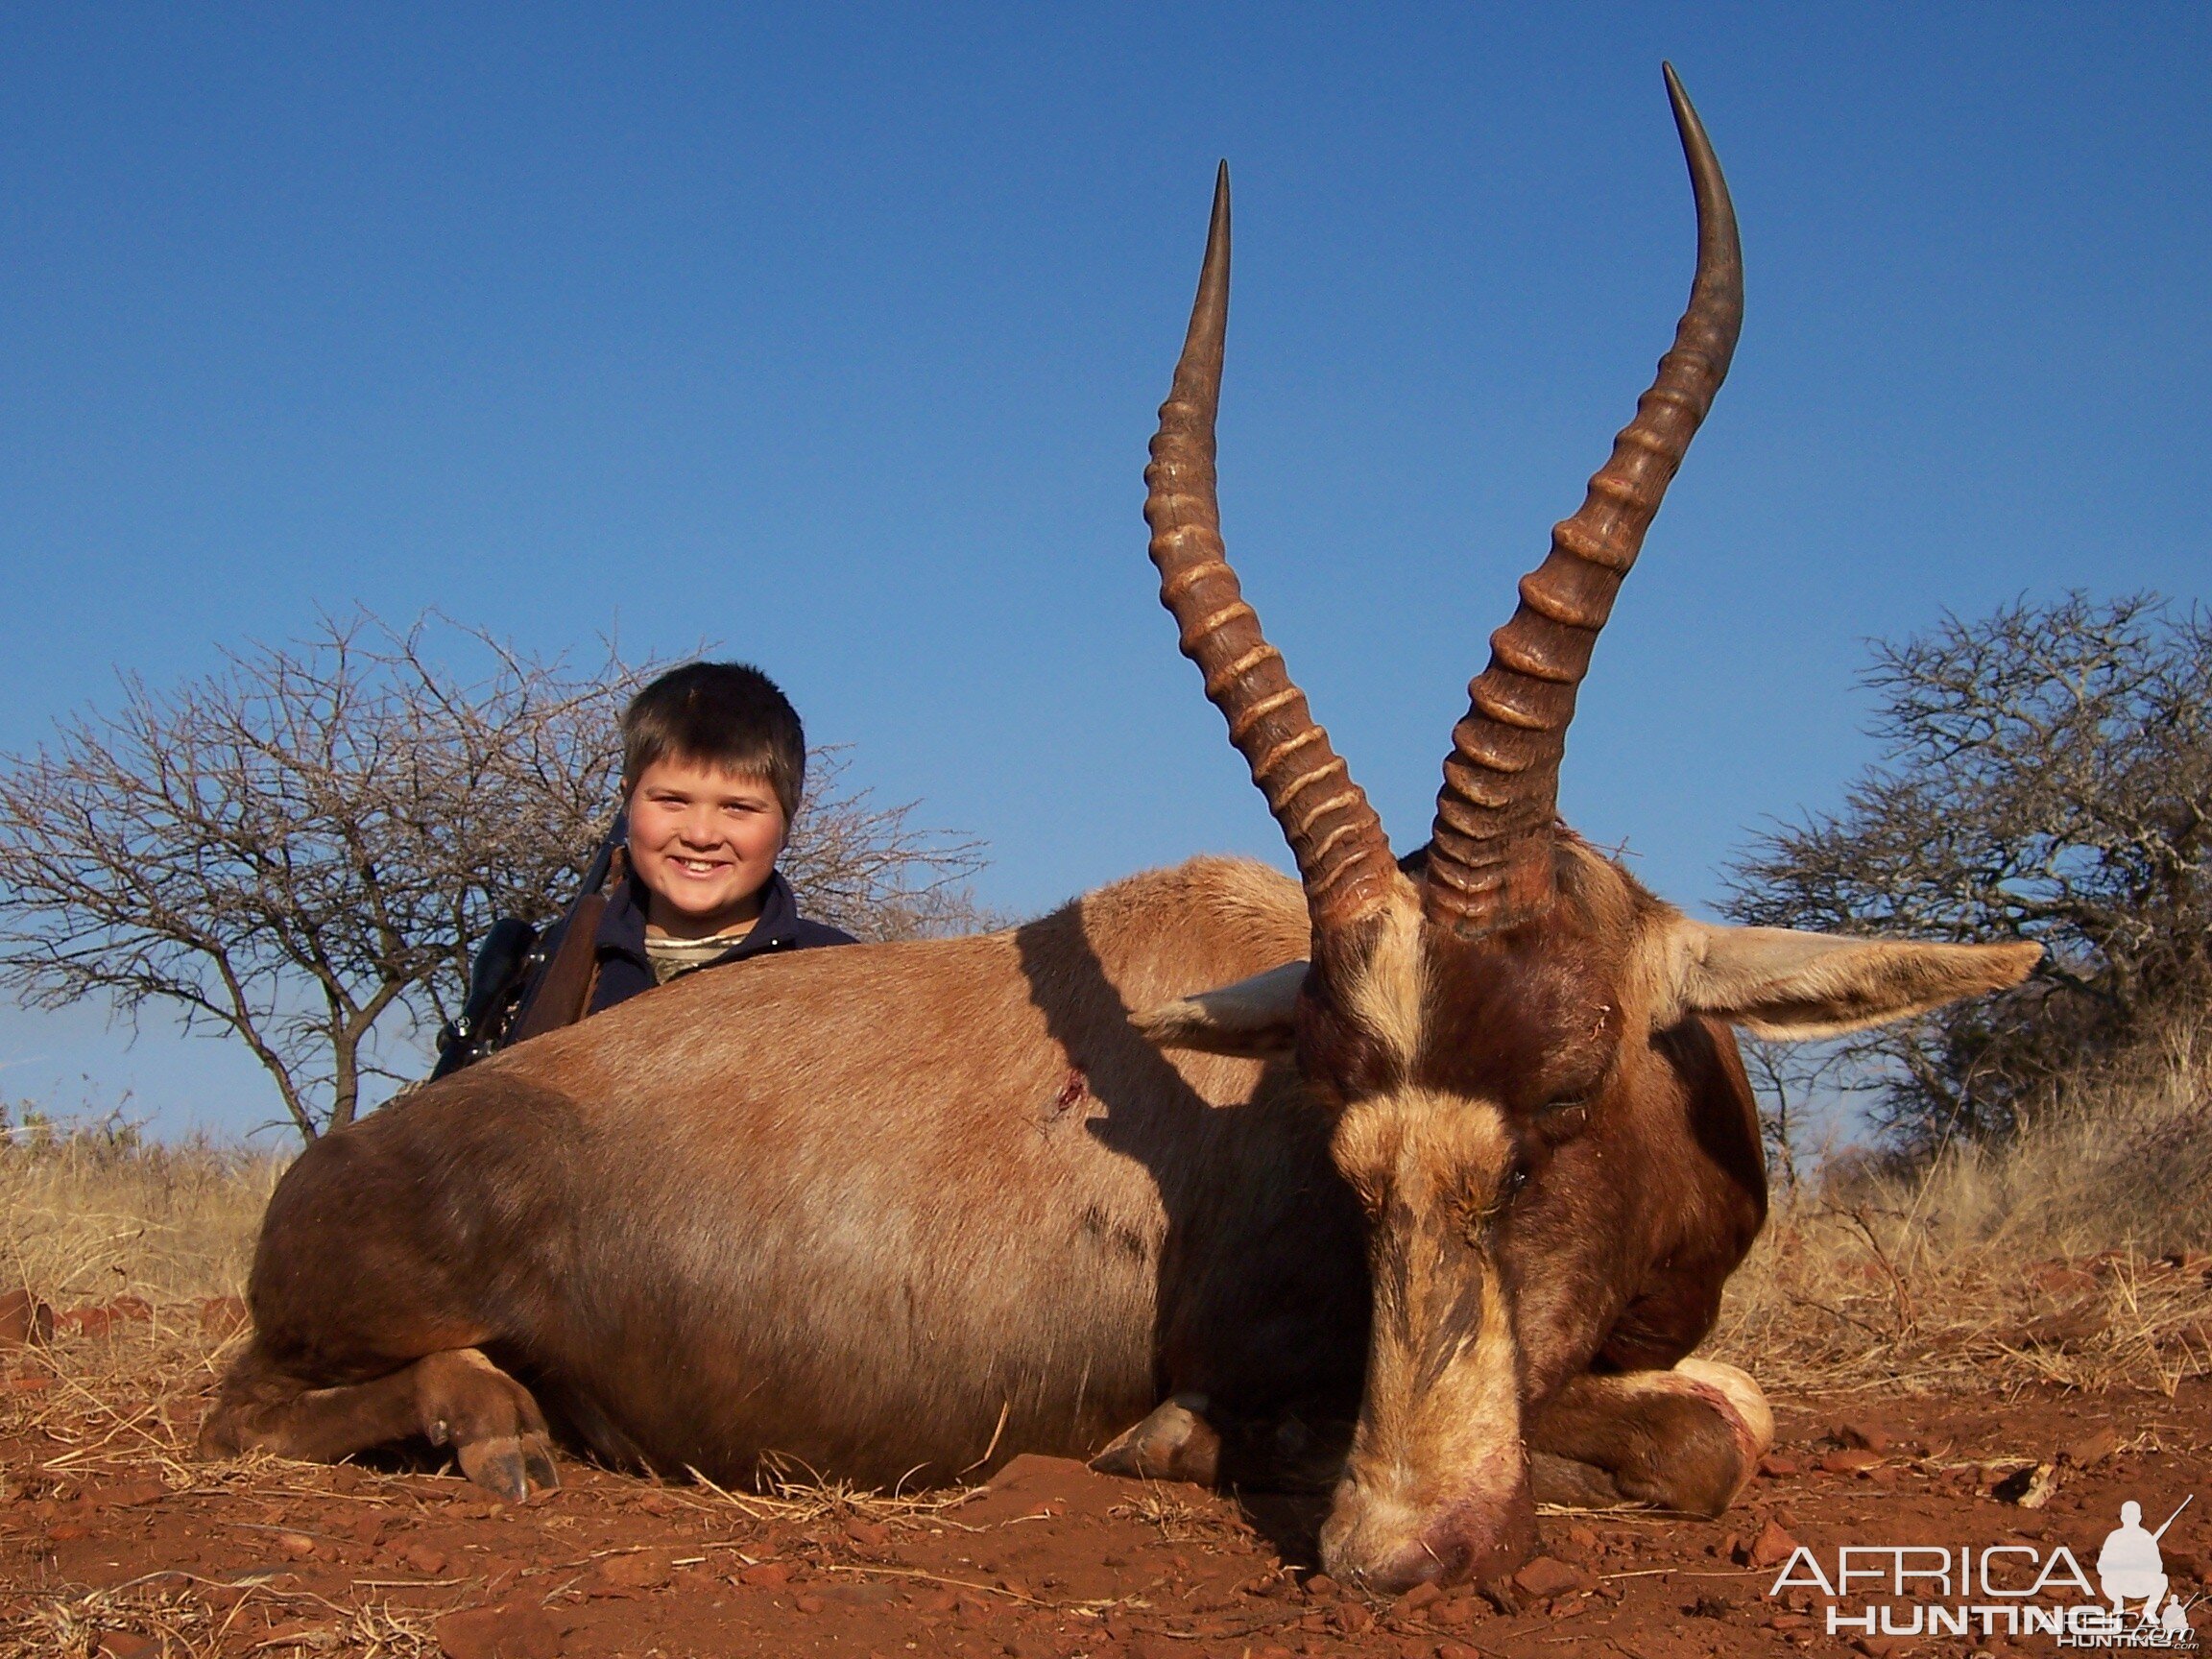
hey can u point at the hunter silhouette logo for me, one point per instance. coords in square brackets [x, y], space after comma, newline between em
[2004, 1590]
[2130, 1567]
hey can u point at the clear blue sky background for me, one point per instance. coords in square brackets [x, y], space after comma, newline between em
[835, 335]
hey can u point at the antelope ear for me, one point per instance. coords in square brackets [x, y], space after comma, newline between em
[1774, 982]
[1250, 1019]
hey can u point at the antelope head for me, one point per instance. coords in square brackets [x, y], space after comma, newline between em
[1473, 1024]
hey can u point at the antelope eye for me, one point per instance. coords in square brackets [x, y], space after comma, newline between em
[1516, 1178]
[1568, 1115]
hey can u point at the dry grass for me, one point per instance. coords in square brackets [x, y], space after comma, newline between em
[170, 1611]
[2075, 1255]
[90, 1218]
[89, 1213]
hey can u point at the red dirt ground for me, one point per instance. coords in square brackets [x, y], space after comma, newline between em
[134, 1554]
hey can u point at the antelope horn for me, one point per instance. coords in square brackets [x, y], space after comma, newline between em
[1343, 856]
[1491, 861]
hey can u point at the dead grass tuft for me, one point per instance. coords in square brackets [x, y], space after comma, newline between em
[1176, 1520]
[89, 1213]
[151, 1242]
[796, 1496]
[2076, 1254]
[172, 1611]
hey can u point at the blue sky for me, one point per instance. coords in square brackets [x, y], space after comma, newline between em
[835, 335]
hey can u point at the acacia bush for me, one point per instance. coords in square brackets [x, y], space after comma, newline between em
[2046, 775]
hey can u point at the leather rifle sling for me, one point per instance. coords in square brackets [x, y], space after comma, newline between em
[565, 992]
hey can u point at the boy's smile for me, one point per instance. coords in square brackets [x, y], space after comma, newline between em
[704, 842]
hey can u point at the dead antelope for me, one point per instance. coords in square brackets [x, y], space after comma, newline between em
[1417, 1179]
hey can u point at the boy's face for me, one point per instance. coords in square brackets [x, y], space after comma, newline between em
[702, 841]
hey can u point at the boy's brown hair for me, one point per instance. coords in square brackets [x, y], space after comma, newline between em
[728, 715]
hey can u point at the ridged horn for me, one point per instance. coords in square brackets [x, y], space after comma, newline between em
[1343, 856]
[1491, 861]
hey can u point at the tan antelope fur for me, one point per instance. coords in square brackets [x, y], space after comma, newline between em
[1415, 1181]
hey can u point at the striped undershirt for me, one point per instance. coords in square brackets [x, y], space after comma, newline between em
[671, 957]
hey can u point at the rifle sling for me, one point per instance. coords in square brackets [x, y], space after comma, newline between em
[565, 993]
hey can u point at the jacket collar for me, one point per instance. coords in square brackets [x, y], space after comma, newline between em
[622, 925]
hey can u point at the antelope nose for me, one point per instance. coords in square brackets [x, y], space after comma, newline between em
[1480, 1541]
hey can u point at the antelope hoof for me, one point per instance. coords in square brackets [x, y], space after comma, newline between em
[1174, 1443]
[1710, 1427]
[489, 1420]
[510, 1467]
[1728, 1452]
[1566, 1483]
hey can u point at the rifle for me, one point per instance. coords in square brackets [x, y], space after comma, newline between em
[522, 982]
[2176, 1516]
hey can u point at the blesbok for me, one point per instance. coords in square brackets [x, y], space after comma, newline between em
[1410, 1179]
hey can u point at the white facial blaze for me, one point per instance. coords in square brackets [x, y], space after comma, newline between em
[1439, 1436]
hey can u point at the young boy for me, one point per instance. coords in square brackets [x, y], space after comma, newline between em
[713, 761]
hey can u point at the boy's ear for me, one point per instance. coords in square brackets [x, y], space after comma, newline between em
[1251, 1018]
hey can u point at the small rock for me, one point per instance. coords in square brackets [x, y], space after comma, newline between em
[868, 1535]
[807, 1603]
[1503, 1596]
[1547, 1576]
[1456, 1650]
[1772, 1547]
[127, 1645]
[1459, 1609]
[24, 1320]
[519, 1630]
[1419, 1596]
[423, 1560]
[646, 1570]
[2091, 1448]
[297, 1545]
[766, 1575]
[1850, 1462]
[132, 1494]
[1321, 1587]
[2064, 1329]
[2029, 1488]
[1866, 1436]
[1776, 1467]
